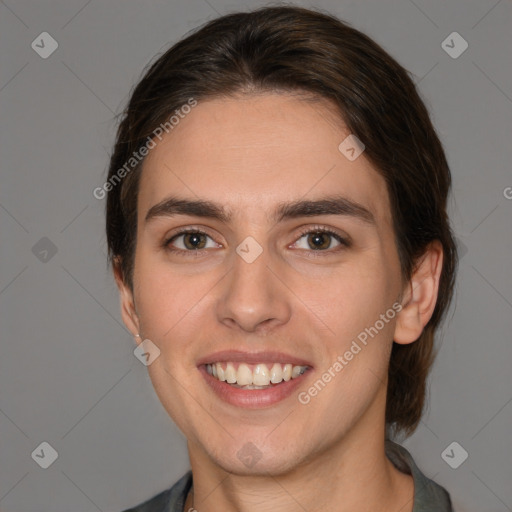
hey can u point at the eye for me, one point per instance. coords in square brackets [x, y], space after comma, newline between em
[320, 239]
[190, 240]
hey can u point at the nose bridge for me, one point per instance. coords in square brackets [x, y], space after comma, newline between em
[252, 296]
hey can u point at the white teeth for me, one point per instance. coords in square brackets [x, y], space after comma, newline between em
[244, 375]
[257, 378]
[261, 375]
[296, 371]
[287, 372]
[220, 372]
[276, 374]
[230, 374]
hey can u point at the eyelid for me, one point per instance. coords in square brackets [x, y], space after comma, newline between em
[187, 229]
[319, 228]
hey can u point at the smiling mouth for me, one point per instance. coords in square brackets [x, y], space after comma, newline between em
[254, 376]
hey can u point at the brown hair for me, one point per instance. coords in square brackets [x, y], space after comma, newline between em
[299, 50]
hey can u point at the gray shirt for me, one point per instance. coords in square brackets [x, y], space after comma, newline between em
[428, 496]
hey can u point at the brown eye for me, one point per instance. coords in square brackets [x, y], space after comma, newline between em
[194, 241]
[190, 241]
[319, 240]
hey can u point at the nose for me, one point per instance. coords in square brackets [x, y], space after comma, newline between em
[253, 298]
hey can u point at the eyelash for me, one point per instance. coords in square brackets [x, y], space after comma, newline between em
[310, 230]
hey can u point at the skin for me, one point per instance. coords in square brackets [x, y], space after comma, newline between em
[250, 153]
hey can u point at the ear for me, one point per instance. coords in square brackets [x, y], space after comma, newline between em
[420, 295]
[128, 311]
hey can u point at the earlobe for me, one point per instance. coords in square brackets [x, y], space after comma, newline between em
[420, 295]
[128, 310]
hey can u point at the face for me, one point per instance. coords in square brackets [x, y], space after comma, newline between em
[262, 247]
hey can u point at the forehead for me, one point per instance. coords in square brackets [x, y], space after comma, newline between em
[251, 153]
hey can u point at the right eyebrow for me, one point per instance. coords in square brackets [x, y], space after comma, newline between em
[197, 208]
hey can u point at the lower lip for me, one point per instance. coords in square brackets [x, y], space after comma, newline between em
[252, 398]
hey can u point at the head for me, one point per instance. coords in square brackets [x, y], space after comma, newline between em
[242, 123]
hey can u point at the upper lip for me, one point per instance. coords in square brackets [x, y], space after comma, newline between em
[252, 358]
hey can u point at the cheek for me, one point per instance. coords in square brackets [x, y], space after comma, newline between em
[352, 298]
[165, 298]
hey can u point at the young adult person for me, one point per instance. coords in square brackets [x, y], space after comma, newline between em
[277, 225]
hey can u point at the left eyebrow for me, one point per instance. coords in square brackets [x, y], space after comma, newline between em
[331, 205]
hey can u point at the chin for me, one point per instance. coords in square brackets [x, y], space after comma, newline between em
[262, 457]
[251, 465]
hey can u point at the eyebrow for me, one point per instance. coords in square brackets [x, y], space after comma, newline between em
[331, 205]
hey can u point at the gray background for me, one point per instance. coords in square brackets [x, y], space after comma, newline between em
[68, 373]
